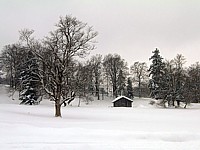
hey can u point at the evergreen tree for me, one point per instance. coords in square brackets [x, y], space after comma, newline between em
[129, 88]
[121, 83]
[156, 70]
[29, 80]
[194, 83]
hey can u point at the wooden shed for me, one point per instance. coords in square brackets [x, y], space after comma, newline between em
[122, 101]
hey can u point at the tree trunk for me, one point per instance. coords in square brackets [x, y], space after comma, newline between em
[139, 89]
[107, 86]
[178, 104]
[114, 90]
[11, 77]
[57, 103]
[102, 90]
[97, 91]
[79, 101]
[97, 86]
[58, 110]
[98, 96]
[185, 105]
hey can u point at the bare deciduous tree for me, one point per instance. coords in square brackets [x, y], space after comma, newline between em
[70, 39]
[113, 65]
[139, 73]
[96, 69]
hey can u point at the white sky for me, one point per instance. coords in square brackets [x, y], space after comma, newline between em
[131, 28]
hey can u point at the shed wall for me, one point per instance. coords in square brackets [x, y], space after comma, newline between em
[122, 103]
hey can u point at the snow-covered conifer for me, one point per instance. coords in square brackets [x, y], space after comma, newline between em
[156, 73]
[129, 88]
[29, 80]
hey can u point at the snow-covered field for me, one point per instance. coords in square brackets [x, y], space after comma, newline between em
[97, 126]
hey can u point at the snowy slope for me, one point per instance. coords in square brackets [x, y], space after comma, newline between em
[97, 126]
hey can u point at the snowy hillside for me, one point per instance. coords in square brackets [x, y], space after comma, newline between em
[97, 126]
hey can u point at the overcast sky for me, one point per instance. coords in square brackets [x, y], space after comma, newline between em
[131, 28]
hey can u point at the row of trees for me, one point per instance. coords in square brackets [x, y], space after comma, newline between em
[50, 66]
[171, 81]
[98, 75]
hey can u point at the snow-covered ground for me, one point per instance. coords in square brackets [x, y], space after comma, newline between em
[97, 126]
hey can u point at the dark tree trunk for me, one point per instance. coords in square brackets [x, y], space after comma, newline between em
[11, 77]
[185, 105]
[58, 110]
[178, 103]
[102, 92]
[79, 101]
[107, 87]
[173, 104]
[139, 88]
[58, 98]
[115, 90]
[97, 89]
[98, 96]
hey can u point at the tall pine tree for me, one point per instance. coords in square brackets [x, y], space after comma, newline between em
[121, 83]
[29, 80]
[129, 88]
[156, 84]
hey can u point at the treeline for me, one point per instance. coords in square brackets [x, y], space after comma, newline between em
[100, 76]
[51, 67]
[172, 82]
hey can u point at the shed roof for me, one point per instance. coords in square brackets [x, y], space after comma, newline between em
[118, 98]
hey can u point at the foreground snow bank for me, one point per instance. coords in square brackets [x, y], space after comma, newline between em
[33, 127]
[97, 127]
